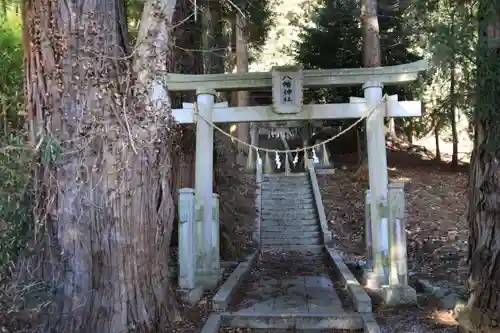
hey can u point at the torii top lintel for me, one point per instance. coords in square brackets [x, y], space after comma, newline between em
[389, 75]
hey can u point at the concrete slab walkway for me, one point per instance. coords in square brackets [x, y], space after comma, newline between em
[299, 294]
[305, 302]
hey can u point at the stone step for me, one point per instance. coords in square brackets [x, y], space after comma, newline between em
[286, 222]
[288, 211]
[293, 180]
[291, 214]
[282, 175]
[268, 321]
[303, 250]
[286, 194]
[288, 234]
[297, 200]
[285, 187]
[290, 228]
[283, 197]
[290, 241]
[285, 179]
[289, 220]
[288, 206]
[267, 186]
[287, 191]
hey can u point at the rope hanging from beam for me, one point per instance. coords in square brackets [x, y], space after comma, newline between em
[297, 150]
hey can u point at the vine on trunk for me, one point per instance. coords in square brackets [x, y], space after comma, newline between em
[104, 207]
[483, 311]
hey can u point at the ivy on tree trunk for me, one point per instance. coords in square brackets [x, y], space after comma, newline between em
[483, 310]
[104, 208]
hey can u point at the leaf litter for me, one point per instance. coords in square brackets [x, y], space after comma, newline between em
[437, 233]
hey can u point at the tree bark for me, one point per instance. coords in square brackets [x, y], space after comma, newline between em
[484, 236]
[436, 138]
[243, 131]
[453, 97]
[453, 117]
[483, 310]
[371, 41]
[371, 45]
[104, 210]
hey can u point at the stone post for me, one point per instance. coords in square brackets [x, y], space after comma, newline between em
[368, 232]
[204, 180]
[258, 200]
[187, 255]
[377, 165]
[254, 140]
[398, 291]
[397, 232]
[215, 233]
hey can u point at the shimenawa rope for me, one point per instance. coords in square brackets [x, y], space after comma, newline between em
[297, 150]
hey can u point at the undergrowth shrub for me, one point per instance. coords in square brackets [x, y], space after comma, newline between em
[20, 301]
[11, 73]
[15, 162]
[236, 189]
[15, 201]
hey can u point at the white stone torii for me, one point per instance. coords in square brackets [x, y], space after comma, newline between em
[207, 248]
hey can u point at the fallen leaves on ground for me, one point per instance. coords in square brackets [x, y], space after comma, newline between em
[435, 212]
[424, 318]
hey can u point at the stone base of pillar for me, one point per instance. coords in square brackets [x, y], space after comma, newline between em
[191, 296]
[372, 281]
[209, 280]
[396, 295]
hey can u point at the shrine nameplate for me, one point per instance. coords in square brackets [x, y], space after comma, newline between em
[287, 89]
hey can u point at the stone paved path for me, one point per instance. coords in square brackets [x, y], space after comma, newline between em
[299, 294]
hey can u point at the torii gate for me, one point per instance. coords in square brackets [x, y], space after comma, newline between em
[199, 251]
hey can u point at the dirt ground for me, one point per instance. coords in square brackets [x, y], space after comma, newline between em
[436, 204]
[426, 318]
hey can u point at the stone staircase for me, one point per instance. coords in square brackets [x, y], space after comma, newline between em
[289, 220]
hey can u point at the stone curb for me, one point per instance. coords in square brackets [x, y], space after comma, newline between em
[448, 300]
[222, 298]
[212, 325]
[304, 321]
[362, 302]
[258, 204]
[370, 324]
[320, 209]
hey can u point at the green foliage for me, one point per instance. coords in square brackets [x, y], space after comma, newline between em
[15, 203]
[258, 13]
[15, 160]
[50, 150]
[261, 17]
[448, 40]
[488, 77]
[334, 39]
[438, 30]
[11, 70]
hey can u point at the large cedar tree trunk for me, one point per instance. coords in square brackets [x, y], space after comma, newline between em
[483, 311]
[104, 207]
[371, 52]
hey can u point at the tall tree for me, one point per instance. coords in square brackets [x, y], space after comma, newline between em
[241, 31]
[483, 313]
[371, 41]
[104, 209]
[371, 48]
